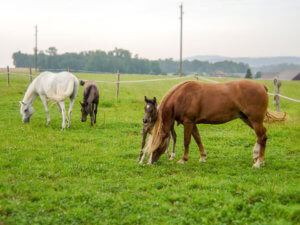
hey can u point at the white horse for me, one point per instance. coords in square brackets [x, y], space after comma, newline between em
[52, 86]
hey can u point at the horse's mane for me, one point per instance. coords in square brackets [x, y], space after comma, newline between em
[156, 138]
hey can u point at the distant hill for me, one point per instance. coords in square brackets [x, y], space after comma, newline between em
[251, 61]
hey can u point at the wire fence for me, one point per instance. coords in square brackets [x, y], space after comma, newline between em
[135, 81]
[272, 94]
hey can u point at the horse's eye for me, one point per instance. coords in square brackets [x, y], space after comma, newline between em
[26, 110]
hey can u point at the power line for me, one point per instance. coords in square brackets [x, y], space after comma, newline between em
[180, 63]
[35, 49]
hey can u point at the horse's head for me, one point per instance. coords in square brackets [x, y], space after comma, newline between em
[161, 149]
[26, 111]
[84, 110]
[150, 108]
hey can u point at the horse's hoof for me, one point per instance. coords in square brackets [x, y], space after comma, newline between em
[48, 122]
[172, 156]
[202, 160]
[258, 164]
[181, 161]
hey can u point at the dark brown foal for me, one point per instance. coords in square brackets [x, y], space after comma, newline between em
[90, 101]
[149, 120]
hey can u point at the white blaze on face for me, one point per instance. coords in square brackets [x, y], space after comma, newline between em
[148, 106]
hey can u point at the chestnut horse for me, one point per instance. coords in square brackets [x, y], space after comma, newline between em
[193, 102]
[150, 117]
[90, 100]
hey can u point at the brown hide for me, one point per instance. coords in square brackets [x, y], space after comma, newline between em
[217, 103]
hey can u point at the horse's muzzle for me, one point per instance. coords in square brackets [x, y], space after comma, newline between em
[27, 120]
[145, 121]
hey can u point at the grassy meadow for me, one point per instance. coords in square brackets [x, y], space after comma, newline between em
[90, 175]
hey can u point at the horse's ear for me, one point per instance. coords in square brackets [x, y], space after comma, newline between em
[82, 82]
[145, 99]
[154, 100]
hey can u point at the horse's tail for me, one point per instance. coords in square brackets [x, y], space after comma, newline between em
[75, 88]
[158, 138]
[265, 88]
[273, 116]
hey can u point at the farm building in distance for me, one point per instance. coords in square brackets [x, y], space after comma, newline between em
[218, 73]
[283, 75]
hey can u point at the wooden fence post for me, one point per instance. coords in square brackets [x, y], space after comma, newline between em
[7, 75]
[69, 69]
[196, 76]
[277, 84]
[118, 83]
[30, 74]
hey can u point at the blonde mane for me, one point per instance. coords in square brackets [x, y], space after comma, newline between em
[156, 138]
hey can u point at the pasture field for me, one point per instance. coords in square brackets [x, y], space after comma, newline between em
[87, 175]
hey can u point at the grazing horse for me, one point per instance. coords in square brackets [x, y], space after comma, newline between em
[90, 100]
[52, 86]
[150, 117]
[192, 102]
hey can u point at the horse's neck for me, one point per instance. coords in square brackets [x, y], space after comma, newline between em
[30, 94]
[155, 116]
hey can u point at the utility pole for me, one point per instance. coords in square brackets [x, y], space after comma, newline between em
[35, 49]
[180, 63]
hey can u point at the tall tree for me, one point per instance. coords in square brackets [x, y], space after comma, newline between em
[249, 74]
[52, 51]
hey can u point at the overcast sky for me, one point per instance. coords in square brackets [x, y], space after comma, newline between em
[150, 28]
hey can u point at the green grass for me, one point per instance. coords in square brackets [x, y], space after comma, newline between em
[90, 175]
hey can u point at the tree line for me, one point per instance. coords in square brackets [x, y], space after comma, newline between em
[202, 67]
[119, 59]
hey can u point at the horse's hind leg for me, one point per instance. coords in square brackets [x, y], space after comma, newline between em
[174, 136]
[92, 114]
[58, 106]
[63, 113]
[197, 138]
[259, 148]
[188, 127]
[95, 111]
[44, 100]
[260, 145]
[70, 111]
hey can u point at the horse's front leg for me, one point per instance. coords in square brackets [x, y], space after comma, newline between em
[143, 144]
[188, 127]
[63, 113]
[70, 111]
[44, 100]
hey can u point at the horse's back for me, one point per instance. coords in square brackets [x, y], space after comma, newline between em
[217, 102]
[57, 86]
[91, 91]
